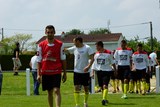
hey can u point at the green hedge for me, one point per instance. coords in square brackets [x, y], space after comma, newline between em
[7, 63]
[158, 56]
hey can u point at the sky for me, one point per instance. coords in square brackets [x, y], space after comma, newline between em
[129, 17]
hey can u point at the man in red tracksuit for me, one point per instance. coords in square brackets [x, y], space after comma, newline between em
[51, 62]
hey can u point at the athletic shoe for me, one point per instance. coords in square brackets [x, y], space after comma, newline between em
[104, 102]
[114, 91]
[143, 92]
[124, 96]
[15, 74]
[85, 105]
[131, 92]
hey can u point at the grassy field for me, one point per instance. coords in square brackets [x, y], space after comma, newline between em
[14, 95]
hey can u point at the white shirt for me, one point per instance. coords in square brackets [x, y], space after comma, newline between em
[103, 61]
[81, 57]
[140, 60]
[34, 62]
[153, 56]
[123, 57]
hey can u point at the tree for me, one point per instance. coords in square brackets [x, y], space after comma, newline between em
[99, 31]
[146, 45]
[32, 46]
[156, 43]
[75, 32]
[9, 43]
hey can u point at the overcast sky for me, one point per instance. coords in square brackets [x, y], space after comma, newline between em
[31, 16]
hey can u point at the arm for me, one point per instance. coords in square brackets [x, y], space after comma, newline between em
[147, 63]
[131, 60]
[64, 77]
[90, 63]
[69, 50]
[156, 61]
[39, 59]
[63, 61]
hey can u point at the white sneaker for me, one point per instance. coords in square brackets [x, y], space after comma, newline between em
[124, 96]
[85, 105]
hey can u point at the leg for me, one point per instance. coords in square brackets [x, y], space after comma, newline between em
[36, 83]
[76, 94]
[14, 66]
[50, 97]
[106, 79]
[86, 94]
[114, 85]
[126, 81]
[117, 84]
[57, 97]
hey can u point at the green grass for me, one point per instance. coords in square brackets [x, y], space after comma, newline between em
[14, 95]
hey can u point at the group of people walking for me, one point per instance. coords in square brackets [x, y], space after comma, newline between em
[51, 67]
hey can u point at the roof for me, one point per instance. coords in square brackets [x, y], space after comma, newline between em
[87, 38]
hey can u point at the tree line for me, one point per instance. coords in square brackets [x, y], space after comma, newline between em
[24, 39]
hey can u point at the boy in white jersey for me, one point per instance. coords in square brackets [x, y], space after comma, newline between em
[155, 62]
[123, 57]
[103, 59]
[82, 53]
[33, 64]
[141, 62]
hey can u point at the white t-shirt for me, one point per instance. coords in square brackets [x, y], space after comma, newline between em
[140, 60]
[103, 61]
[123, 57]
[153, 56]
[81, 57]
[34, 62]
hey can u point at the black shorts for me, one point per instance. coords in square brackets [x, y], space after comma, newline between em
[133, 75]
[104, 77]
[141, 74]
[124, 72]
[81, 79]
[147, 78]
[114, 75]
[51, 81]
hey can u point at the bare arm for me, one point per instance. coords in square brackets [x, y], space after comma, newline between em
[90, 63]
[64, 77]
[156, 61]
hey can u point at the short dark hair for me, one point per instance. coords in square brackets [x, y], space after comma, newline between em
[124, 41]
[100, 43]
[139, 45]
[79, 39]
[50, 27]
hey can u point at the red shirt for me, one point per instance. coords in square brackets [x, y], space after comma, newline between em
[51, 61]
